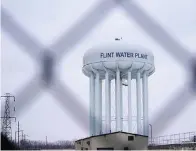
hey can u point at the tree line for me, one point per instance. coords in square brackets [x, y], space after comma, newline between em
[27, 144]
[7, 144]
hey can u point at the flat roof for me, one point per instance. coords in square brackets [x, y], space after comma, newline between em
[111, 133]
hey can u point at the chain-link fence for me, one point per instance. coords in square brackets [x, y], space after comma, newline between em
[47, 58]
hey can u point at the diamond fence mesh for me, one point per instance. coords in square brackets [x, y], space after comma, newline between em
[47, 58]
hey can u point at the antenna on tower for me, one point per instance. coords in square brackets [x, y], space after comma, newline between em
[118, 39]
[6, 125]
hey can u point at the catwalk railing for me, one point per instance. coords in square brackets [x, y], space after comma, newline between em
[181, 138]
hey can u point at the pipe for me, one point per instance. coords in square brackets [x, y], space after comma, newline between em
[150, 132]
[118, 101]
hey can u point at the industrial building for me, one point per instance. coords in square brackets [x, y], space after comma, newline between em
[113, 141]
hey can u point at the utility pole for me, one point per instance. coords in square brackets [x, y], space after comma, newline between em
[15, 136]
[46, 141]
[22, 134]
[25, 136]
[6, 125]
[18, 134]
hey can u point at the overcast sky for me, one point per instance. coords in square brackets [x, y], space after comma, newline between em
[46, 20]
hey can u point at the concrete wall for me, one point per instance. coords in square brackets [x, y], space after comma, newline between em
[117, 141]
[83, 144]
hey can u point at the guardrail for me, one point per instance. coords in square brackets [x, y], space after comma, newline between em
[181, 138]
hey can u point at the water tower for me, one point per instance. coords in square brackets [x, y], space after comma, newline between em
[123, 63]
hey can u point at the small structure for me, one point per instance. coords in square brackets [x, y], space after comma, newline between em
[113, 141]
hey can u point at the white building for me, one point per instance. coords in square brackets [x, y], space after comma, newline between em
[113, 141]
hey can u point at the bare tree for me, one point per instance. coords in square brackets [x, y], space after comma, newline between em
[61, 144]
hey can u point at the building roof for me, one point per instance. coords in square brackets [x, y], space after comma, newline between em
[111, 133]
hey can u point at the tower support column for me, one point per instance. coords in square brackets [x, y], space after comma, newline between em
[138, 89]
[97, 104]
[100, 107]
[145, 103]
[110, 106]
[121, 106]
[92, 105]
[129, 103]
[107, 104]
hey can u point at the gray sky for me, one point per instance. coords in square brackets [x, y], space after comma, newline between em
[46, 20]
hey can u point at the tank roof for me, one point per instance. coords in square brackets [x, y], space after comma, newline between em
[116, 46]
[118, 55]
